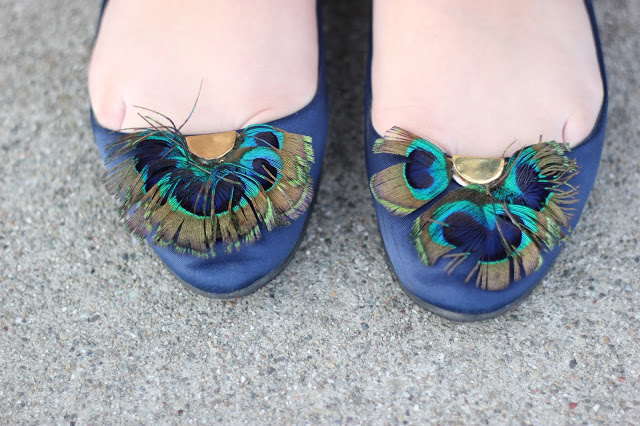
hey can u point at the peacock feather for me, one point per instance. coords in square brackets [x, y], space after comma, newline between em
[503, 226]
[189, 203]
[409, 185]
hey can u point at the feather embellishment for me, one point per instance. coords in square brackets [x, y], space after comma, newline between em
[189, 202]
[502, 226]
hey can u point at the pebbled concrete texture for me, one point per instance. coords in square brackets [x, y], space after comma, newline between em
[94, 330]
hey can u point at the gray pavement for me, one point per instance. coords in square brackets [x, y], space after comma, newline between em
[94, 330]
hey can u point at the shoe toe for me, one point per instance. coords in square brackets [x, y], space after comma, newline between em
[235, 273]
[239, 272]
[454, 295]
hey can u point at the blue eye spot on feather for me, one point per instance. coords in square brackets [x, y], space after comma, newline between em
[407, 186]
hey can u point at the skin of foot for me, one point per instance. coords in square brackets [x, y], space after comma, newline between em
[257, 60]
[475, 76]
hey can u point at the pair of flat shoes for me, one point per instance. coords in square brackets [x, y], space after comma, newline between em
[468, 238]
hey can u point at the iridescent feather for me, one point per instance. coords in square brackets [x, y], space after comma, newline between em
[424, 173]
[502, 227]
[469, 223]
[189, 203]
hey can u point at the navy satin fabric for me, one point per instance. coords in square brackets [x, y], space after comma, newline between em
[231, 272]
[450, 292]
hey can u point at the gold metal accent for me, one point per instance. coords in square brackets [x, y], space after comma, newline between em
[478, 170]
[213, 145]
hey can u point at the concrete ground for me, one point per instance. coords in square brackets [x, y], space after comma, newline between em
[94, 330]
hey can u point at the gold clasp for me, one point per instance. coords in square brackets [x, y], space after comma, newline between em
[213, 145]
[476, 170]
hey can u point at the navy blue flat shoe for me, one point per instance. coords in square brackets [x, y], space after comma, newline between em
[469, 238]
[224, 222]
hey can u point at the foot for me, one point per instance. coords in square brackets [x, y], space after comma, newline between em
[473, 77]
[257, 61]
